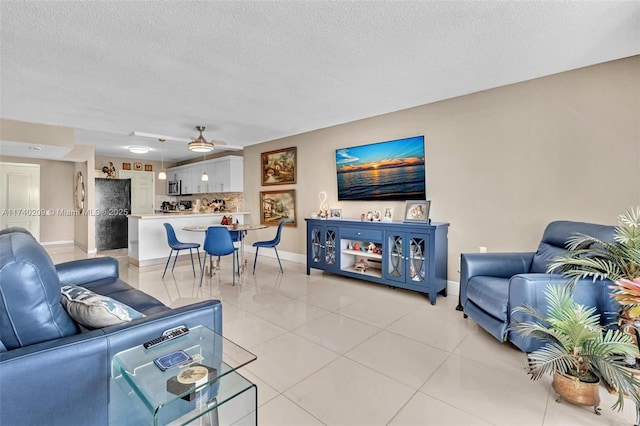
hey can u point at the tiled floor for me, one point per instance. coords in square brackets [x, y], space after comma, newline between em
[337, 351]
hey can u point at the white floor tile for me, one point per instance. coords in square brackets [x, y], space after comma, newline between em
[405, 360]
[291, 314]
[335, 332]
[425, 410]
[346, 393]
[285, 360]
[282, 412]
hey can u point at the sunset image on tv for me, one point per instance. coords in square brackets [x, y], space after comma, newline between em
[393, 170]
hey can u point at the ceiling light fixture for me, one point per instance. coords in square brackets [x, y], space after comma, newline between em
[200, 144]
[138, 149]
[163, 174]
[205, 176]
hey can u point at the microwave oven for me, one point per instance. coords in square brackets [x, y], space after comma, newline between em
[173, 187]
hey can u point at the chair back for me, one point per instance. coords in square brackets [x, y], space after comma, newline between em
[235, 236]
[555, 236]
[218, 241]
[171, 235]
[276, 240]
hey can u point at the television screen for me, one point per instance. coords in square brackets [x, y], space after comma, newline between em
[392, 170]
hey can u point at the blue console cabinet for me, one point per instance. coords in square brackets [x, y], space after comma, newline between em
[407, 255]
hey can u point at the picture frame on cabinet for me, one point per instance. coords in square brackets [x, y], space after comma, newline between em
[279, 167]
[388, 215]
[278, 205]
[417, 211]
[335, 213]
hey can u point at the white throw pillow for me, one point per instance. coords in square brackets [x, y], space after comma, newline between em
[93, 310]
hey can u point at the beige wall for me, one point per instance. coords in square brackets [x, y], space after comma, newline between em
[56, 193]
[501, 163]
[161, 185]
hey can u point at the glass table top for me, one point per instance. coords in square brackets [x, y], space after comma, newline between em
[211, 353]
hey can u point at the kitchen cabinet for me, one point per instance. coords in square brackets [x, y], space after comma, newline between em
[225, 175]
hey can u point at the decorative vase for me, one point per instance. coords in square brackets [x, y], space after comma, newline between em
[573, 390]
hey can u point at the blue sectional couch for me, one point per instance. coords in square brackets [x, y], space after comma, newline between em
[492, 284]
[53, 371]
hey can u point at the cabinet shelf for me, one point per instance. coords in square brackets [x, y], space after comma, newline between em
[362, 254]
[371, 272]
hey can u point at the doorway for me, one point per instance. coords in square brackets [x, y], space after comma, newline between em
[143, 185]
[20, 197]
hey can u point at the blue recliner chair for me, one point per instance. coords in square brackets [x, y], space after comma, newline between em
[492, 284]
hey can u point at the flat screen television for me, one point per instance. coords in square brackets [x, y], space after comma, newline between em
[383, 171]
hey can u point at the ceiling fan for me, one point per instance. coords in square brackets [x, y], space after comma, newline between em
[199, 144]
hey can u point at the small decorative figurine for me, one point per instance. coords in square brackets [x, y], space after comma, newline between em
[371, 248]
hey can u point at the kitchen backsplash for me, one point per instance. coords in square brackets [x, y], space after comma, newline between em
[233, 201]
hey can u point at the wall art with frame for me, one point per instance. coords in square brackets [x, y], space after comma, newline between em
[279, 167]
[417, 211]
[278, 205]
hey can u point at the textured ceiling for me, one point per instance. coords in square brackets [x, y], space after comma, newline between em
[257, 71]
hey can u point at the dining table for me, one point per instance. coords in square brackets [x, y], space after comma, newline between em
[243, 229]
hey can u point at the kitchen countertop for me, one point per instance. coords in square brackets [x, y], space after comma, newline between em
[183, 213]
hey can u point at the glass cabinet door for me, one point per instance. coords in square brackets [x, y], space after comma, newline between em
[316, 245]
[323, 245]
[406, 258]
[330, 246]
[395, 267]
[417, 259]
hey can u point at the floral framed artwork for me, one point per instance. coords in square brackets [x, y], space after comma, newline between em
[417, 211]
[279, 167]
[278, 205]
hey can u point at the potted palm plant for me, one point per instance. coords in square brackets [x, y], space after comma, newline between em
[578, 351]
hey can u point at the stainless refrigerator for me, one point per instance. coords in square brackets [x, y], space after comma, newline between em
[113, 204]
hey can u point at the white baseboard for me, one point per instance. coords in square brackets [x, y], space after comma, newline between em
[453, 287]
[56, 243]
[284, 255]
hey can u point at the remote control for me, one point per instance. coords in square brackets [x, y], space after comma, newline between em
[172, 334]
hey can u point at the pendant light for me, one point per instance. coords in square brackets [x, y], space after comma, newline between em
[163, 173]
[205, 176]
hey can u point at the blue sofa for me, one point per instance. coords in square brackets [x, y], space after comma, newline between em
[492, 284]
[52, 371]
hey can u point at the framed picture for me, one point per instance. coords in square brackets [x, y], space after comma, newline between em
[417, 211]
[126, 166]
[279, 167]
[388, 215]
[335, 213]
[148, 167]
[277, 205]
[137, 166]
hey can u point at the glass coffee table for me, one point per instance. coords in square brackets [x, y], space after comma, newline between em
[209, 391]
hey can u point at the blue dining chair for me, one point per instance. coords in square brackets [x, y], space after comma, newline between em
[218, 242]
[177, 246]
[269, 243]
